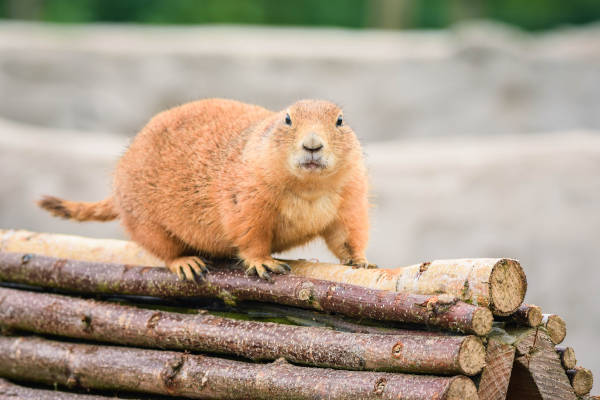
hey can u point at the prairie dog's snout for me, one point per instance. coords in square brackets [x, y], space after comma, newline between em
[312, 143]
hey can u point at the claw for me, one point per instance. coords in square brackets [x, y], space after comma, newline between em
[360, 263]
[189, 268]
[261, 268]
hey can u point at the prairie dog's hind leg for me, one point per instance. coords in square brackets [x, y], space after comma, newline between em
[167, 247]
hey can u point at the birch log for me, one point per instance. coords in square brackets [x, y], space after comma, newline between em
[200, 377]
[107, 322]
[496, 283]
[232, 285]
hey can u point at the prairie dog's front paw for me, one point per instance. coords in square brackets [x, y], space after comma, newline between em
[359, 263]
[188, 268]
[261, 267]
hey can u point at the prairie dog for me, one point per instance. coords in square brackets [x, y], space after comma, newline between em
[220, 178]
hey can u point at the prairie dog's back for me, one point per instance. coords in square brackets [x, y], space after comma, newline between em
[179, 152]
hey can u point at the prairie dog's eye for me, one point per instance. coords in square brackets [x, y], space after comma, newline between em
[288, 119]
[339, 121]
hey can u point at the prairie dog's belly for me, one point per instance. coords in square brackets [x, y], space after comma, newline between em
[302, 219]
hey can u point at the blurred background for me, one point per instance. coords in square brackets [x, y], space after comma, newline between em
[480, 119]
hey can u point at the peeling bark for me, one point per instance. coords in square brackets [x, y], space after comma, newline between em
[114, 323]
[231, 284]
[498, 284]
[194, 376]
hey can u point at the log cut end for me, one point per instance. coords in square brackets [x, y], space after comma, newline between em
[508, 285]
[567, 356]
[482, 321]
[581, 379]
[556, 327]
[461, 388]
[471, 356]
[529, 315]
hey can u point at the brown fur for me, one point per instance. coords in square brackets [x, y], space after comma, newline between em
[220, 178]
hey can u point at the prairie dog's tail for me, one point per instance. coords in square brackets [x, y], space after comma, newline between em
[100, 211]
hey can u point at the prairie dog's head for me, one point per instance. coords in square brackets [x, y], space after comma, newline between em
[315, 139]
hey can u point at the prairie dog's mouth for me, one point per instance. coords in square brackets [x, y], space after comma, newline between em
[312, 165]
[312, 162]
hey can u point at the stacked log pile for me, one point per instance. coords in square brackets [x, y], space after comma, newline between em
[94, 319]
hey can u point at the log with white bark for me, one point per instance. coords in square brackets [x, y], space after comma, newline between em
[497, 283]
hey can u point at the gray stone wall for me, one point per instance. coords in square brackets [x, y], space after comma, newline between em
[476, 79]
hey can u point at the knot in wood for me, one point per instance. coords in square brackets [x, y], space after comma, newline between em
[26, 258]
[379, 386]
[86, 323]
[306, 291]
[397, 350]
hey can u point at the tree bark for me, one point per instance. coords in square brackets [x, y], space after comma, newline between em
[498, 284]
[493, 384]
[567, 356]
[537, 372]
[194, 376]
[526, 315]
[11, 391]
[106, 322]
[232, 285]
[555, 326]
[581, 379]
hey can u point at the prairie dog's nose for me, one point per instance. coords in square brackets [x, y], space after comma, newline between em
[312, 142]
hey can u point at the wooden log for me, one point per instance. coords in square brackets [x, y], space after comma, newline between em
[555, 326]
[537, 372]
[495, 377]
[567, 356]
[581, 379]
[526, 315]
[498, 284]
[231, 284]
[201, 377]
[106, 322]
[11, 391]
